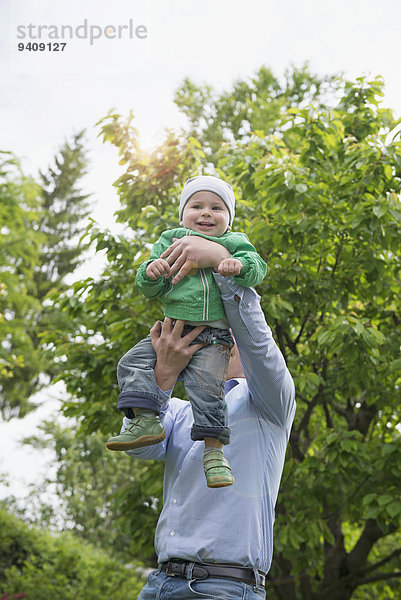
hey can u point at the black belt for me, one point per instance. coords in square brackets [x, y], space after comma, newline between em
[177, 568]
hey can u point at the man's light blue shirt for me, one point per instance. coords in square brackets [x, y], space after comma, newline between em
[232, 524]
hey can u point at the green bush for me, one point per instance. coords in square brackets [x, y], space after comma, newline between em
[37, 565]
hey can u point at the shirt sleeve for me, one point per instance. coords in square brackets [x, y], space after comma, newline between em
[270, 384]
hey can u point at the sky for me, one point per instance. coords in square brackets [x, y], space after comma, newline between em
[132, 55]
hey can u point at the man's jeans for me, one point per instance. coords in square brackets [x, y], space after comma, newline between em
[204, 378]
[162, 587]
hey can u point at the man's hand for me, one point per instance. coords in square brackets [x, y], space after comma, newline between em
[173, 352]
[229, 266]
[191, 252]
[157, 268]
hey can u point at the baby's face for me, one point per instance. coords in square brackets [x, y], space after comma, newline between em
[205, 212]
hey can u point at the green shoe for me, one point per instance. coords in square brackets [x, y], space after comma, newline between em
[142, 431]
[217, 470]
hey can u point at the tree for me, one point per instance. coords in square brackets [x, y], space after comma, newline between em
[63, 211]
[20, 242]
[40, 228]
[255, 104]
[318, 195]
[328, 221]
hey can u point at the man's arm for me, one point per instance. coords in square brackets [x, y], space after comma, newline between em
[199, 251]
[269, 381]
[263, 364]
[193, 251]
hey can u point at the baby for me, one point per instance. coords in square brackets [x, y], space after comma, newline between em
[207, 208]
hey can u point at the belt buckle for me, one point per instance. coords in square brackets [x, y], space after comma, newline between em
[175, 569]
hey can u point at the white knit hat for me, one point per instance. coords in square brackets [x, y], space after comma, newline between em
[208, 183]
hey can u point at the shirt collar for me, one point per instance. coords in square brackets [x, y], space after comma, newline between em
[230, 384]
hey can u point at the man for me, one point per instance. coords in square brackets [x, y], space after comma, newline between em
[218, 543]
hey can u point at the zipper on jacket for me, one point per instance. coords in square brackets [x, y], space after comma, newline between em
[205, 283]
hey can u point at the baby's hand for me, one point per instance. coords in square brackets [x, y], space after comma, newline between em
[229, 266]
[157, 268]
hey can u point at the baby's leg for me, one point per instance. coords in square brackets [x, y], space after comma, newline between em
[138, 399]
[204, 379]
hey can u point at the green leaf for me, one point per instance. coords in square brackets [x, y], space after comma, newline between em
[394, 508]
[388, 171]
[385, 499]
[369, 498]
[294, 538]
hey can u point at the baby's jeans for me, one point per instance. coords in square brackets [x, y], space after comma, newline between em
[204, 379]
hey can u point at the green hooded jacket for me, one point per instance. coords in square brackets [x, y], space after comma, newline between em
[196, 297]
